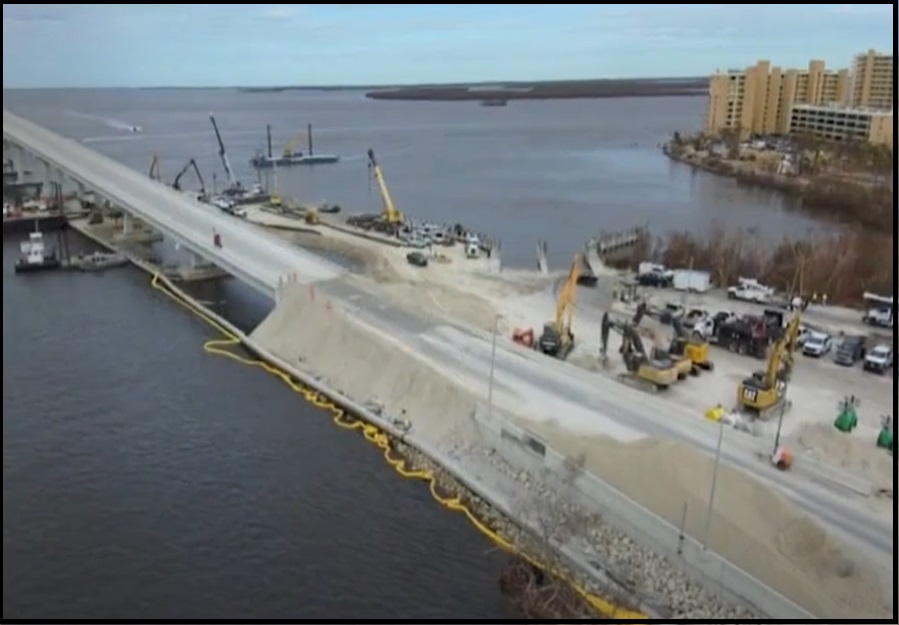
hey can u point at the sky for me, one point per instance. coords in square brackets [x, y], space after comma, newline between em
[204, 45]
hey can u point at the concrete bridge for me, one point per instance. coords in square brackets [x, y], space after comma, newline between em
[262, 260]
[250, 254]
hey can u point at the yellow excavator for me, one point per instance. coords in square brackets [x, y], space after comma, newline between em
[763, 394]
[557, 339]
[689, 350]
[646, 373]
[390, 214]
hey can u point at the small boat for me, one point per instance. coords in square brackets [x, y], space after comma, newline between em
[35, 257]
[494, 102]
[99, 261]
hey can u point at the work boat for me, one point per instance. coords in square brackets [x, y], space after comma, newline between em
[35, 256]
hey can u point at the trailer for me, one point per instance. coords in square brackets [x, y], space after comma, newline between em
[692, 280]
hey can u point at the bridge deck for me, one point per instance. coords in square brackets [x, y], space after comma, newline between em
[248, 253]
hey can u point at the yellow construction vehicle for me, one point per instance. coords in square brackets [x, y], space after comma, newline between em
[647, 373]
[763, 394]
[688, 350]
[390, 214]
[275, 200]
[312, 217]
[155, 171]
[557, 339]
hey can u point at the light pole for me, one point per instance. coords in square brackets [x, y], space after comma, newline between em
[708, 516]
[780, 419]
[492, 365]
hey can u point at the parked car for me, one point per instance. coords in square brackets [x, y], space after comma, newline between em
[851, 350]
[417, 259]
[699, 322]
[817, 344]
[879, 359]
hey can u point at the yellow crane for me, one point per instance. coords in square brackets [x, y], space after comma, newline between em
[764, 392]
[155, 170]
[557, 339]
[391, 215]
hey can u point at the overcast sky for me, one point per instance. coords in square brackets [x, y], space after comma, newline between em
[90, 45]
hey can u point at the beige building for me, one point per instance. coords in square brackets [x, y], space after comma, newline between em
[871, 82]
[760, 99]
[838, 123]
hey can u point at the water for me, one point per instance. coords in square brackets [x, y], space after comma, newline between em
[140, 473]
[555, 170]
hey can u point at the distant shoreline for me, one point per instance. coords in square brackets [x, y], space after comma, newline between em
[546, 91]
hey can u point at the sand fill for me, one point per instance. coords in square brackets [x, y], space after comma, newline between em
[849, 451]
[754, 526]
[324, 339]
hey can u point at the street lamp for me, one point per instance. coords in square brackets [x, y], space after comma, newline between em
[708, 516]
[780, 419]
[492, 365]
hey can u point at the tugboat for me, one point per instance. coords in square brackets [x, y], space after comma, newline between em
[35, 257]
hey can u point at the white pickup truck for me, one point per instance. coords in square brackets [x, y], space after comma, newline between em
[879, 359]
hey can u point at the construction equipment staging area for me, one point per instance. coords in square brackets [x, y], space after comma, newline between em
[442, 337]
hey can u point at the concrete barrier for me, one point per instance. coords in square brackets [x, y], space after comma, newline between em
[525, 451]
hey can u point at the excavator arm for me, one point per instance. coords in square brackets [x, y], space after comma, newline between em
[191, 164]
[565, 303]
[391, 214]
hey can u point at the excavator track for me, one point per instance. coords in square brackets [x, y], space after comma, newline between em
[640, 384]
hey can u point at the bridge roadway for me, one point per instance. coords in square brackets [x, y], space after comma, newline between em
[254, 256]
[557, 388]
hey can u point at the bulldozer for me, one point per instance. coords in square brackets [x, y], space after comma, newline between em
[557, 339]
[763, 394]
[645, 372]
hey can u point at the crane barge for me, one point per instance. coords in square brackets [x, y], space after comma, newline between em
[290, 156]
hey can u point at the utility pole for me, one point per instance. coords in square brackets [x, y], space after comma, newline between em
[711, 510]
[492, 365]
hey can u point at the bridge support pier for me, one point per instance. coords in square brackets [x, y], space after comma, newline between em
[17, 156]
[127, 224]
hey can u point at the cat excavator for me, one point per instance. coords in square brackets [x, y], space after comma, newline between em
[763, 394]
[557, 339]
[645, 372]
[689, 350]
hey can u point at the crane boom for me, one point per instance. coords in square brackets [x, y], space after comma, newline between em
[223, 153]
[391, 214]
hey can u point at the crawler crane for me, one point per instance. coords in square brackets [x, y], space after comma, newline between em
[390, 214]
[557, 339]
[764, 392]
[645, 373]
[690, 351]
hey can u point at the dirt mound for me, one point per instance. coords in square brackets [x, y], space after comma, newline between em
[326, 340]
[754, 526]
[848, 451]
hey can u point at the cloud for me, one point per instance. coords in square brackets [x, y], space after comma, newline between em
[279, 12]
